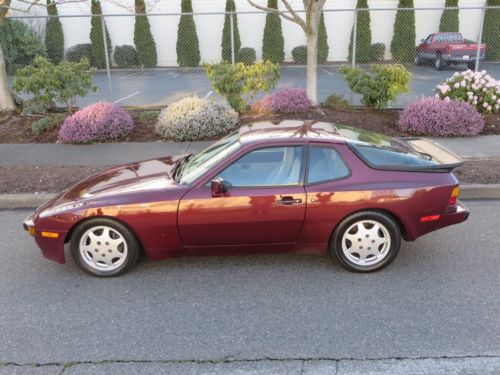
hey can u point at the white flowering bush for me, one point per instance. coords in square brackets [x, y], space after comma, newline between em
[193, 118]
[477, 88]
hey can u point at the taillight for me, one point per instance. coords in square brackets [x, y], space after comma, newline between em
[454, 196]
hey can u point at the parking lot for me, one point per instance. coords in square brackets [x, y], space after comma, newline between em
[438, 302]
[161, 87]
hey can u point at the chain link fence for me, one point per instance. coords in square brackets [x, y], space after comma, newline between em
[157, 59]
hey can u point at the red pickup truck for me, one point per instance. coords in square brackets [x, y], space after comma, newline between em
[448, 48]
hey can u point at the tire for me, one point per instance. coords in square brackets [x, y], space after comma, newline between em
[418, 60]
[357, 252]
[471, 66]
[439, 63]
[104, 247]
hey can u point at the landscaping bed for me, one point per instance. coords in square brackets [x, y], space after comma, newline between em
[17, 128]
[52, 179]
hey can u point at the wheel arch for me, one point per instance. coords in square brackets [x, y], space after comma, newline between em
[112, 218]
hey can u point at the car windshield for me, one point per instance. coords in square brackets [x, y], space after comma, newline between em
[202, 162]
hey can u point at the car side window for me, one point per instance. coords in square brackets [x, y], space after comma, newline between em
[273, 166]
[325, 164]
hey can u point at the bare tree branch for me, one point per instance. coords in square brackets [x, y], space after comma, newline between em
[293, 18]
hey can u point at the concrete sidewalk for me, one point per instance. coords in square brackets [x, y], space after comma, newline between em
[108, 154]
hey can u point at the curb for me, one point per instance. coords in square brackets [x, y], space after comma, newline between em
[18, 201]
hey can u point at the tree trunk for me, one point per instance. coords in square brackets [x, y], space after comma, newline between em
[6, 101]
[312, 67]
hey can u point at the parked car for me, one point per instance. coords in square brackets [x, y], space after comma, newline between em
[294, 186]
[448, 48]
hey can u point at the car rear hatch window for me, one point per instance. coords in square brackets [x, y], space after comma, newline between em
[405, 153]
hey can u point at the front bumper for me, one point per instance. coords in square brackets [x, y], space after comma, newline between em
[52, 248]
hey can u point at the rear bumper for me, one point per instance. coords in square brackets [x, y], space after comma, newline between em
[457, 217]
[461, 59]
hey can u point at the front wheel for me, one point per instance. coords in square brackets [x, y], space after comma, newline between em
[104, 247]
[471, 65]
[366, 241]
[439, 63]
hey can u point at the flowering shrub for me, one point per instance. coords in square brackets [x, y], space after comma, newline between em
[477, 88]
[193, 118]
[288, 100]
[431, 116]
[100, 122]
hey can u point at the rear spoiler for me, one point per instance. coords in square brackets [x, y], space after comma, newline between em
[445, 159]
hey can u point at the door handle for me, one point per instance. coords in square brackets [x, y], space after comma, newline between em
[288, 201]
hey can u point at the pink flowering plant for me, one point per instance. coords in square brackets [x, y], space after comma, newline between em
[100, 122]
[287, 100]
[476, 88]
[435, 117]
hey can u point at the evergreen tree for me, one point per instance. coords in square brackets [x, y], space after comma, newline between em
[323, 48]
[363, 34]
[273, 43]
[491, 30]
[449, 18]
[403, 40]
[188, 45]
[143, 38]
[226, 33]
[54, 36]
[96, 39]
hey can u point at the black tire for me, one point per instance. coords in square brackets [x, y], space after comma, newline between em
[418, 60]
[471, 65]
[389, 254]
[133, 247]
[439, 63]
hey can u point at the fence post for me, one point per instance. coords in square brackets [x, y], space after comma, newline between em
[353, 52]
[108, 68]
[480, 37]
[231, 15]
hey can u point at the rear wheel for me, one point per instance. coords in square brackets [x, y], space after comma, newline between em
[366, 241]
[439, 63]
[471, 65]
[104, 247]
[418, 60]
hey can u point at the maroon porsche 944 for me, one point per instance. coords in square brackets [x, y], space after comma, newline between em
[270, 187]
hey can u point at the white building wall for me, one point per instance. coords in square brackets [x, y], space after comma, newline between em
[209, 27]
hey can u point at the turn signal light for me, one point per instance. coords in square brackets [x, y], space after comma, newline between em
[454, 196]
[49, 234]
[31, 231]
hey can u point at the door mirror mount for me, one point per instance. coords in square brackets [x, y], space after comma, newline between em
[219, 187]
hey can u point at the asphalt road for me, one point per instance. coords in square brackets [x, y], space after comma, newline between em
[438, 304]
[161, 87]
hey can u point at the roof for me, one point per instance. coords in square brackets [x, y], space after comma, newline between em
[286, 129]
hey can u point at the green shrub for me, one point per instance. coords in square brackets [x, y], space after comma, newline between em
[336, 102]
[403, 40]
[46, 123]
[246, 56]
[323, 48]
[98, 59]
[449, 19]
[49, 83]
[78, 52]
[143, 38]
[193, 119]
[227, 53]
[240, 83]
[363, 34]
[491, 30]
[126, 57]
[54, 35]
[19, 44]
[188, 45]
[377, 52]
[299, 55]
[273, 43]
[35, 106]
[379, 85]
[148, 117]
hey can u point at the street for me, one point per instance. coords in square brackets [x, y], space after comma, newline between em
[437, 304]
[164, 86]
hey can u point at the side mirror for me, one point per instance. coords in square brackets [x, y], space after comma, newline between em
[422, 40]
[218, 186]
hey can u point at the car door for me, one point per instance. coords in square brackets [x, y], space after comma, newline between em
[265, 202]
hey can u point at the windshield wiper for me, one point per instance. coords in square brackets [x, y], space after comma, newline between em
[179, 167]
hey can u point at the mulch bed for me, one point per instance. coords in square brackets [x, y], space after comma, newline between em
[27, 179]
[17, 129]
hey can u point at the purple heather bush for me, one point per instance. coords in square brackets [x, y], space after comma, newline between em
[435, 117]
[288, 100]
[100, 122]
